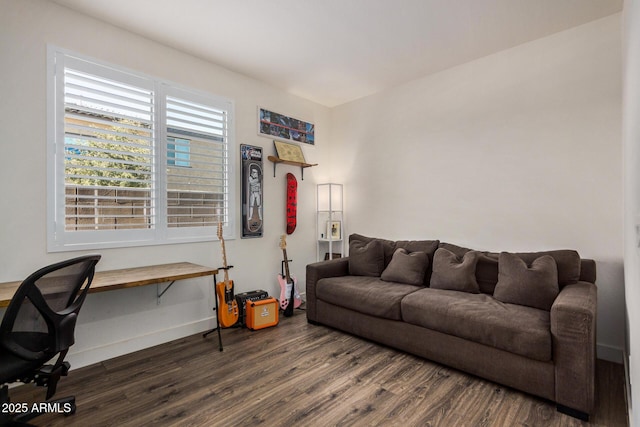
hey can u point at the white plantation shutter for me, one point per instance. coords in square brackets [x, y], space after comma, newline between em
[197, 162]
[108, 146]
[135, 161]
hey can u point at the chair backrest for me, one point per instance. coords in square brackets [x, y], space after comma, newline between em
[40, 319]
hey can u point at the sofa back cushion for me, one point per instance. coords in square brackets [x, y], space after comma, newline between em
[389, 247]
[568, 263]
[366, 258]
[486, 268]
[587, 270]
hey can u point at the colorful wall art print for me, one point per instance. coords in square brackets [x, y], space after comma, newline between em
[276, 125]
[252, 191]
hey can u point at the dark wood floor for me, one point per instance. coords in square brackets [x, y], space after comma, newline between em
[300, 374]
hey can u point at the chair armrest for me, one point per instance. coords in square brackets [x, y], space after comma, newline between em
[320, 270]
[573, 330]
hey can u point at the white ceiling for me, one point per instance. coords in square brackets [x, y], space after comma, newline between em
[335, 51]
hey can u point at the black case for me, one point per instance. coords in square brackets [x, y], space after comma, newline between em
[241, 300]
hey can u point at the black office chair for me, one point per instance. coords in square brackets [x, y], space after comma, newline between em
[39, 325]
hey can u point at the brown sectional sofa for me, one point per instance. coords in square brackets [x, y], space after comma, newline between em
[525, 320]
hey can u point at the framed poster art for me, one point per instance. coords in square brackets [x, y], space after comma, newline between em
[252, 191]
[276, 125]
[334, 229]
[289, 152]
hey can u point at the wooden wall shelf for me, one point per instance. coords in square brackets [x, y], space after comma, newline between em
[277, 160]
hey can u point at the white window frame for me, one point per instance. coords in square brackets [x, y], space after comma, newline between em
[59, 239]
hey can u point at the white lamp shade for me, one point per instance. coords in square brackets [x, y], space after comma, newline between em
[329, 197]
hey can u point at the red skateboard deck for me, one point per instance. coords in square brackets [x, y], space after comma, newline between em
[292, 203]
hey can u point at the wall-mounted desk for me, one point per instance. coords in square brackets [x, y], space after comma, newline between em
[128, 278]
[132, 277]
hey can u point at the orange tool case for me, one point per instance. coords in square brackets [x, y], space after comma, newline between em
[262, 313]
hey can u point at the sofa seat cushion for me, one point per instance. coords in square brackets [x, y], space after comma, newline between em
[480, 318]
[368, 295]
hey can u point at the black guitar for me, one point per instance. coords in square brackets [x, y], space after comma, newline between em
[289, 296]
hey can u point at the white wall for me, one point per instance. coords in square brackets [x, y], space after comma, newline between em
[517, 151]
[117, 322]
[631, 139]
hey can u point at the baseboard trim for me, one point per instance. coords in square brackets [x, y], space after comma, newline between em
[89, 356]
[610, 353]
[582, 416]
[627, 383]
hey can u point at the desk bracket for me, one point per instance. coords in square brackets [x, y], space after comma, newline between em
[163, 291]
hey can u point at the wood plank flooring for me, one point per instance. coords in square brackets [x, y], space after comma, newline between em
[301, 374]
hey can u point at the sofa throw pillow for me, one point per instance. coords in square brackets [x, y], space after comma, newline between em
[486, 269]
[389, 247]
[366, 258]
[406, 267]
[567, 261]
[534, 285]
[455, 273]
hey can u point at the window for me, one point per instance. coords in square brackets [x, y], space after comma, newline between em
[134, 160]
[178, 152]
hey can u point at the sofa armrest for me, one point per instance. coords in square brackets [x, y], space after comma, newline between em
[320, 270]
[573, 330]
